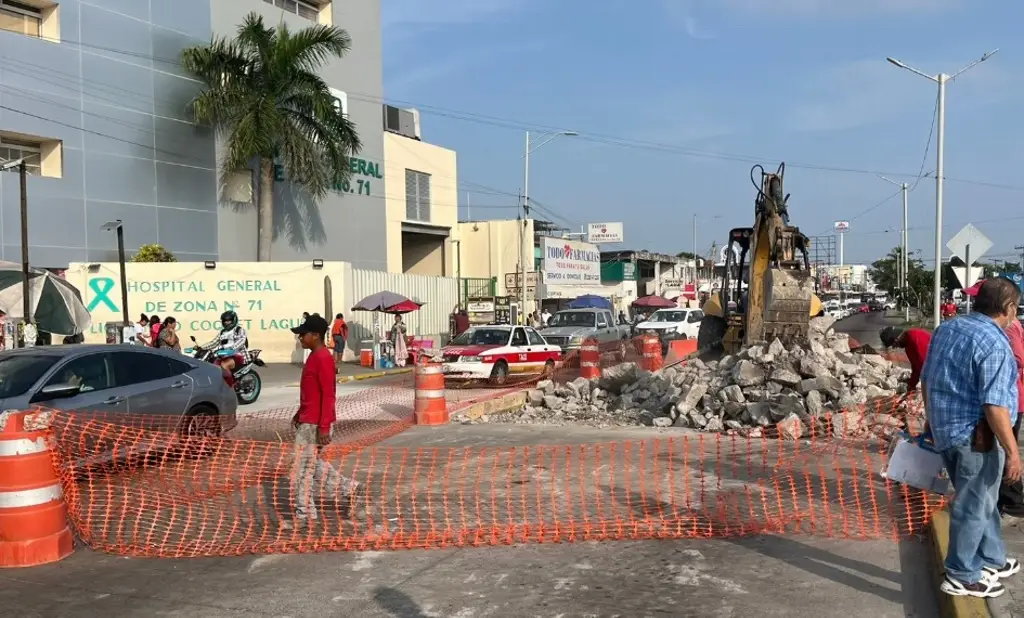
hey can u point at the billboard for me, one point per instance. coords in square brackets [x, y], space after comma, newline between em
[841, 227]
[570, 262]
[599, 233]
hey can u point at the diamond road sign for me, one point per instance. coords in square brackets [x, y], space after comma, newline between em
[966, 280]
[969, 236]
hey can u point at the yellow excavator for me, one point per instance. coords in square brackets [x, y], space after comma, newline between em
[778, 299]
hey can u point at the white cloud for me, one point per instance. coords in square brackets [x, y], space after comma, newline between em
[865, 92]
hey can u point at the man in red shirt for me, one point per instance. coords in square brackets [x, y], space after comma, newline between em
[1011, 495]
[915, 341]
[312, 425]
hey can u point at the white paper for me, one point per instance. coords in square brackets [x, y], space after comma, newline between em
[918, 467]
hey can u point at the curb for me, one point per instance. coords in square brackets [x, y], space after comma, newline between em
[950, 606]
[376, 374]
[505, 403]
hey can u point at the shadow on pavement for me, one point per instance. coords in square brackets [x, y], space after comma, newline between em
[844, 571]
[397, 603]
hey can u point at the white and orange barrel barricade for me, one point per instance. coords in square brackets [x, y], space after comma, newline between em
[590, 359]
[652, 353]
[430, 405]
[679, 349]
[33, 517]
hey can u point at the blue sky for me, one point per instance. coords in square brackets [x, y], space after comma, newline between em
[665, 93]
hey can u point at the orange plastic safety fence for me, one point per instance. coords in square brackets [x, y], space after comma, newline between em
[137, 490]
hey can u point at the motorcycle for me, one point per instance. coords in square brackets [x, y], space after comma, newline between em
[245, 381]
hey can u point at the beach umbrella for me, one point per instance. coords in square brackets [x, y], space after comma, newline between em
[654, 302]
[406, 306]
[56, 305]
[590, 301]
[380, 301]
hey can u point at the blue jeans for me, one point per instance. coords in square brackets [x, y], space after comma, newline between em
[974, 534]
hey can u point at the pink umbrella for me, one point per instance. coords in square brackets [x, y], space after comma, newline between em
[654, 302]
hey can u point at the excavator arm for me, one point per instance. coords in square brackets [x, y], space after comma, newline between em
[780, 300]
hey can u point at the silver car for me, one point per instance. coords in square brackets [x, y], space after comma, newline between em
[119, 379]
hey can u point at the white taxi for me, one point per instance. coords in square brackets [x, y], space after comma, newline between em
[495, 352]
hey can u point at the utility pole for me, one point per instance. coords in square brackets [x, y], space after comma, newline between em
[940, 145]
[528, 253]
[26, 297]
[695, 256]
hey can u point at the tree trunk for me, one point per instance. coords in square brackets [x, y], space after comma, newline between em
[265, 211]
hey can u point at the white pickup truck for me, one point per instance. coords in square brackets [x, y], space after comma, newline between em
[671, 324]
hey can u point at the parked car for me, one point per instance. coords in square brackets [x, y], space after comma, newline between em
[568, 329]
[671, 324]
[119, 380]
[495, 352]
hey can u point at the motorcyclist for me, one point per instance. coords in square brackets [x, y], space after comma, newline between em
[231, 342]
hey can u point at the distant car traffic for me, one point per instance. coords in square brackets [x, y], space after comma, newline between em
[495, 352]
[119, 380]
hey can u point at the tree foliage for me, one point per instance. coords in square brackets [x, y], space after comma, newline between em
[153, 253]
[919, 279]
[263, 95]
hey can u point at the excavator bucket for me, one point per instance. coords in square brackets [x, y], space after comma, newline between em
[787, 306]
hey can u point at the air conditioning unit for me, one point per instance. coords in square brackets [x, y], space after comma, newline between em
[402, 121]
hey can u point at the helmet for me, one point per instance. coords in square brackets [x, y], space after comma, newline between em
[229, 320]
[889, 335]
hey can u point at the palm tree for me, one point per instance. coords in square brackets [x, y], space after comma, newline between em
[263, 96]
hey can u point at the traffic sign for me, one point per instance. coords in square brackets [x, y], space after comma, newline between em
[961, 273]
[969, 236]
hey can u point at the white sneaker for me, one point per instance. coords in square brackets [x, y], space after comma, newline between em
[987, 588]
[1012, 567]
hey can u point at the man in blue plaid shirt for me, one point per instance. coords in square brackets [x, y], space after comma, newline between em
[970, 394]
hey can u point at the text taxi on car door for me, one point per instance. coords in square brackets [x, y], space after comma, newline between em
[494, 352]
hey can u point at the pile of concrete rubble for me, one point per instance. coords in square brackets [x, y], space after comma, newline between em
[794, 389]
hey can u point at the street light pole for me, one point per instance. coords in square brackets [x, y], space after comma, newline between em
[695, 256]
[26, 297]
[903, 264]
[118, 227]
[523, 252]
[940, 138]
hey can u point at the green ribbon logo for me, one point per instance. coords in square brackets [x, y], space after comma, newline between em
[101, 287]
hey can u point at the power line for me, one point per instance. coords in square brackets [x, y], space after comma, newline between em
[927, 145]
[594, 137]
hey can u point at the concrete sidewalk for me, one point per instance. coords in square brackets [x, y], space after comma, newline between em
[766, 576]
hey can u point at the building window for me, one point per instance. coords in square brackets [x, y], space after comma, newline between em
[43, 157]
[307, 10]
[340, 101]
[417, 196]
[12, 150]
[20, 18]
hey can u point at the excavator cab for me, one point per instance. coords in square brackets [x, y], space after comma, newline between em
[772, 296]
